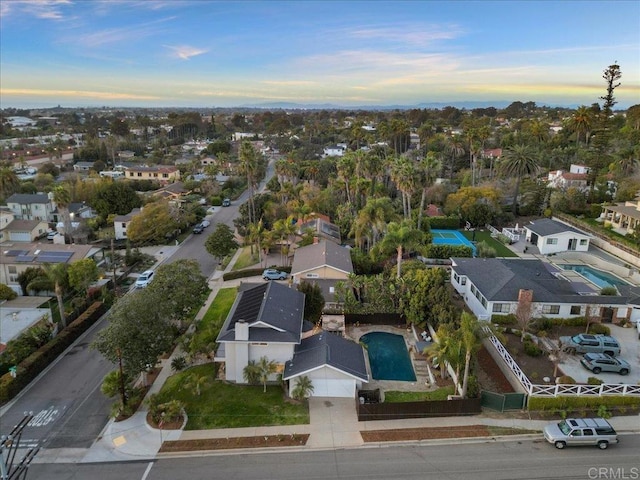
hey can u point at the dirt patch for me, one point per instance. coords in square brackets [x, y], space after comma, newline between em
[267, 441]
[489, 374]
[416, 434]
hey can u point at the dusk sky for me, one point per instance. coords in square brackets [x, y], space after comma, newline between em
[201, 53]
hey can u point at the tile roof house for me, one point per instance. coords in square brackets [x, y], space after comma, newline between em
[163, 174]
[321, 227]
[325, 264]
[552, 236]
[266, 320]
[493, 286]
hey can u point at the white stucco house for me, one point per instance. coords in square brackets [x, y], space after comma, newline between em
[551, 236]
[266, 320]
[121, 223]
[496, 286]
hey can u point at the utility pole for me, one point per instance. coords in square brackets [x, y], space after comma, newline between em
[10, 469]
[113, 266]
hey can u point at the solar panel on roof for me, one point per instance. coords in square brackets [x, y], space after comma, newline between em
[15, 253]
[55, 257]
[25, 258]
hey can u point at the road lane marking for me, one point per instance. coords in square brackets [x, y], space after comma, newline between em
[43, 417]
[146, 472]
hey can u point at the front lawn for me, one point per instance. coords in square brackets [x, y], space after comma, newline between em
[439, 394]
[208, 328]
[225, 405]
[246, 259]
[485, 236]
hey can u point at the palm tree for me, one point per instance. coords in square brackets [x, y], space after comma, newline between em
[372, 219]
[398, 237]
[519, 161]
[264, 368]
[470, 335]
[627, 161]
[195, 383]
[403, 173]
[303, 388]
[428, 169]
[447, 350]
[346, 172]
[56, 278]
[62, 199]
[249, 166]
[455, 147]
[582, 122]
[9, 182]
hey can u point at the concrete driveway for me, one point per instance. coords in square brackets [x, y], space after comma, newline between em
[630, 346]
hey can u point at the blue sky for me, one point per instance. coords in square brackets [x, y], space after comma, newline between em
[204, 53]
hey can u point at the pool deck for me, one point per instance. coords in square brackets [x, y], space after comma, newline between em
[425, 380]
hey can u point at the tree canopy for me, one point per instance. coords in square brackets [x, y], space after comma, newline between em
[221, 242]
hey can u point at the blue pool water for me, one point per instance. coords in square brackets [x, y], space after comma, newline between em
[598, 277]
[451, 237]
[388, 357]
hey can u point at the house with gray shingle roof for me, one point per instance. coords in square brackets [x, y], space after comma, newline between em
[324, 263]
[335, 365]
[493, 286]
[32, 206]
[552, 236]
[267, 320]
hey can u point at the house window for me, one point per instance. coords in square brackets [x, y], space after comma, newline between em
[124, 225]
[139, 174]
[13, 269]
[463, 280]
[456, 278]
[165, 175]
[473, 289]
[551, 309]
[552, 241]
[575, 309]
[262, 344]
[155, 175]
[483, 301]
[131, 174]
[583, 242]
[501, 308]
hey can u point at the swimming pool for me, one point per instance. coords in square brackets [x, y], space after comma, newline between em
[388, 357]
[451, 237]
[598, 277]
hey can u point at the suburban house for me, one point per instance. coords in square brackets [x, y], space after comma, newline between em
[624, 216]
[335, 366]
[266, 320]
[334, 150]
[121, 223]
[324, 264]
[173, 192]
[6, 217]
[163, 174]
[321, 227]
[576, 177]
[17, 258]
[24, 231]
[551, 236]
[32, 206]
[206, 161]
[495, 286]
[83, 167]
[19, 314]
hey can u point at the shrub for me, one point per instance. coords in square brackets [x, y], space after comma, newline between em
[566, 380]
[544, 324]
[509, 319]
[599, 329]
[594, 381]
[609, 291]
[6, 292]
[486, 251]
[178, 363]
[447, 251]
[444, 223]
[532, 349]
[570, 402]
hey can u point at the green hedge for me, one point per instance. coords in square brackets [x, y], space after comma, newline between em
[447, 251]
[571, 403]
[250, 272]
[509, 319]
[35, 363]
[444, 223]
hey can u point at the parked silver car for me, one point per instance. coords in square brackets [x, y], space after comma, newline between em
[587, 343]
[581, 431]
[601, 362]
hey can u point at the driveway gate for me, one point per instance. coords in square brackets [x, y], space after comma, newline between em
[503, 401]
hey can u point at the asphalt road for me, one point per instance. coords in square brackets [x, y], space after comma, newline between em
[68, 407]
[511, 460]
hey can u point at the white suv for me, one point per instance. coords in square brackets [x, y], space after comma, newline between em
[144, 279]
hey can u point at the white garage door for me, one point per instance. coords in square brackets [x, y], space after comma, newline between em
[20, 236]
[334, 388]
